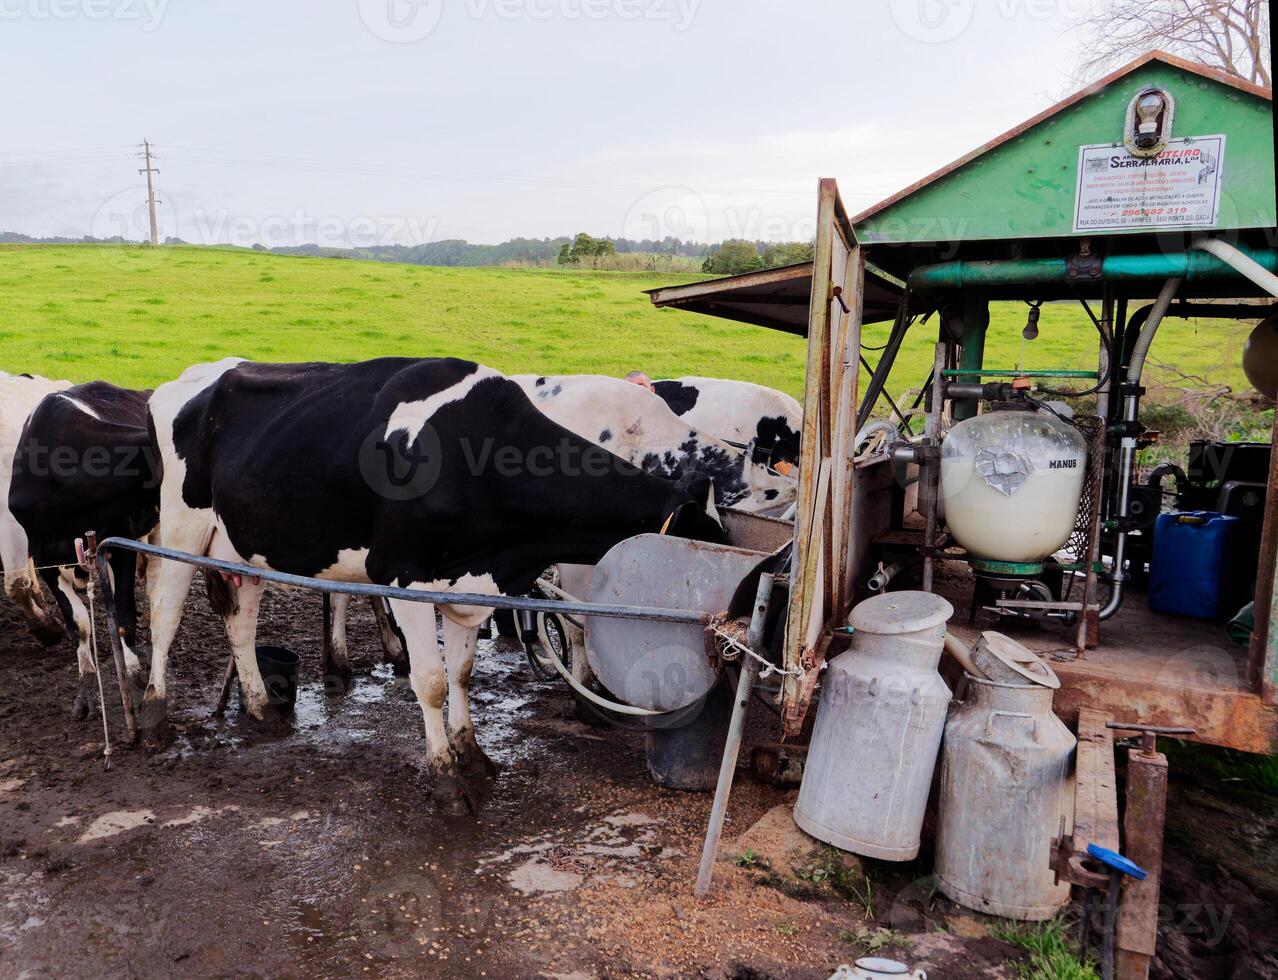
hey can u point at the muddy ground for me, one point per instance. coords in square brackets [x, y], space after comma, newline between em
[232, 853]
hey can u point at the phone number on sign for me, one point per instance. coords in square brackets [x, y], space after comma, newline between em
[1152, 212]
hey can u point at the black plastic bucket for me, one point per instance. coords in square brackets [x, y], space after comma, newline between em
[688, 757]
[279, 668]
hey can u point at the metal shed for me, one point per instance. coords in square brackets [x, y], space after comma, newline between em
[1018, 219]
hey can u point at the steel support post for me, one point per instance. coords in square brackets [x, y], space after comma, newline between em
[732, 746]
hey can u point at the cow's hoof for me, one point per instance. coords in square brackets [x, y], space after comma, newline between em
[338, 680]
[81, 706]
[157, 737]
[272, 722]
[472, 761]
[398, 665]
[451, 796]
[448, 791]
[152, 711]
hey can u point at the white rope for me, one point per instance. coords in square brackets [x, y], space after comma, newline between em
[44, 568]
[769, 668]
[97, 670]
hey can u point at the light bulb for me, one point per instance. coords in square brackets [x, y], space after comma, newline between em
[1148, 106]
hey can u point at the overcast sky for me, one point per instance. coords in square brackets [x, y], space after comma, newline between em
[362, 121]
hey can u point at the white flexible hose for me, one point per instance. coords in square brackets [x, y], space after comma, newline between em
[891, 435]
[1241, 261]
[1156, 314]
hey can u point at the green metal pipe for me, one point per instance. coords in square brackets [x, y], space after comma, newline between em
[1013, 373]
[976, 323]
[1015, 272]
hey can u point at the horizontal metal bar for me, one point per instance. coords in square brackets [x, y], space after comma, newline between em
[655, 614]
[1013, 373]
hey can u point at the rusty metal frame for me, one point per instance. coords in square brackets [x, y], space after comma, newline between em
[818, 587]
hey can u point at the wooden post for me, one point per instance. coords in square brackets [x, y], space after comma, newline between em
[1142, 843]
[820, 529]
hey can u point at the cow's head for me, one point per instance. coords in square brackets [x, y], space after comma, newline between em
[776, 445]
[693, 513]
[767, 487]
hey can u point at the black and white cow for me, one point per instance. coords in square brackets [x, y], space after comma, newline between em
[19, 396]
[634, 423]
[419, 473]
[84, 462]
[767, 421]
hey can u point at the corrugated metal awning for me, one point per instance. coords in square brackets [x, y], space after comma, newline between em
[776, 298]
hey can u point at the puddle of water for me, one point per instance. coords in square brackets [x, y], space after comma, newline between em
[533, 877]
[198, 814]
[116, 822]
[311, 710]
[564, 858]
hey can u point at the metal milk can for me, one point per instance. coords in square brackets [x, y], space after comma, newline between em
[877, 968]
[878, 729]
[1005, 785]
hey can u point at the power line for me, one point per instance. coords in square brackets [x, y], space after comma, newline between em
[269, 161]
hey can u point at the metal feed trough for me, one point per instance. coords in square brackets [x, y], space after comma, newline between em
[1149, 194]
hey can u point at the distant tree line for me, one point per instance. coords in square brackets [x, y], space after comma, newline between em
[582, 251]
[735, 256]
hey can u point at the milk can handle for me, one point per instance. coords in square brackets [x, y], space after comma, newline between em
[989, 722]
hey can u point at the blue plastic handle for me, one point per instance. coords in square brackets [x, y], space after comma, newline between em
[1112, 859]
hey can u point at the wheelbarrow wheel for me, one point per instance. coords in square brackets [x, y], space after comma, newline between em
[550, 632]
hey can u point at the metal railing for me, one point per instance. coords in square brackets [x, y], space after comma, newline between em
[439, 597]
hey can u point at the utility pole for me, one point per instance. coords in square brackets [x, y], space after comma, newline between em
[150, 191]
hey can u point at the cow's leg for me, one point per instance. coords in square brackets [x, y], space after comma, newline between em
[459, 655]
[62, 585]
[430, 684]
[241, 631]
[337, 661]
[168, 583]
[124, 575]
[20, 583]
[392, 639]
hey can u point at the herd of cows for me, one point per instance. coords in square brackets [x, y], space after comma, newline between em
[430, 473]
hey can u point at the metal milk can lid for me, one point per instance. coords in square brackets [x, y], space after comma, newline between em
[882, 967]
[891, 613]
[1007, 662]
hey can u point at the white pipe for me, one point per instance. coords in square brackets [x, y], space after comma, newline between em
[1127, 450]
[1156, 314]
[1243, 263]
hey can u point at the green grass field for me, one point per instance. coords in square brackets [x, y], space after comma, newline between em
[137, 316]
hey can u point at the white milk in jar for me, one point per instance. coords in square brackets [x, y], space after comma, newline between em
[1011, 481]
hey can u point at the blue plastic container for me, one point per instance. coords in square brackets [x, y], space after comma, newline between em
[1193, 563]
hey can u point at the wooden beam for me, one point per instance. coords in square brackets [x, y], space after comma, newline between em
[1096, 792]
[809, 530]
